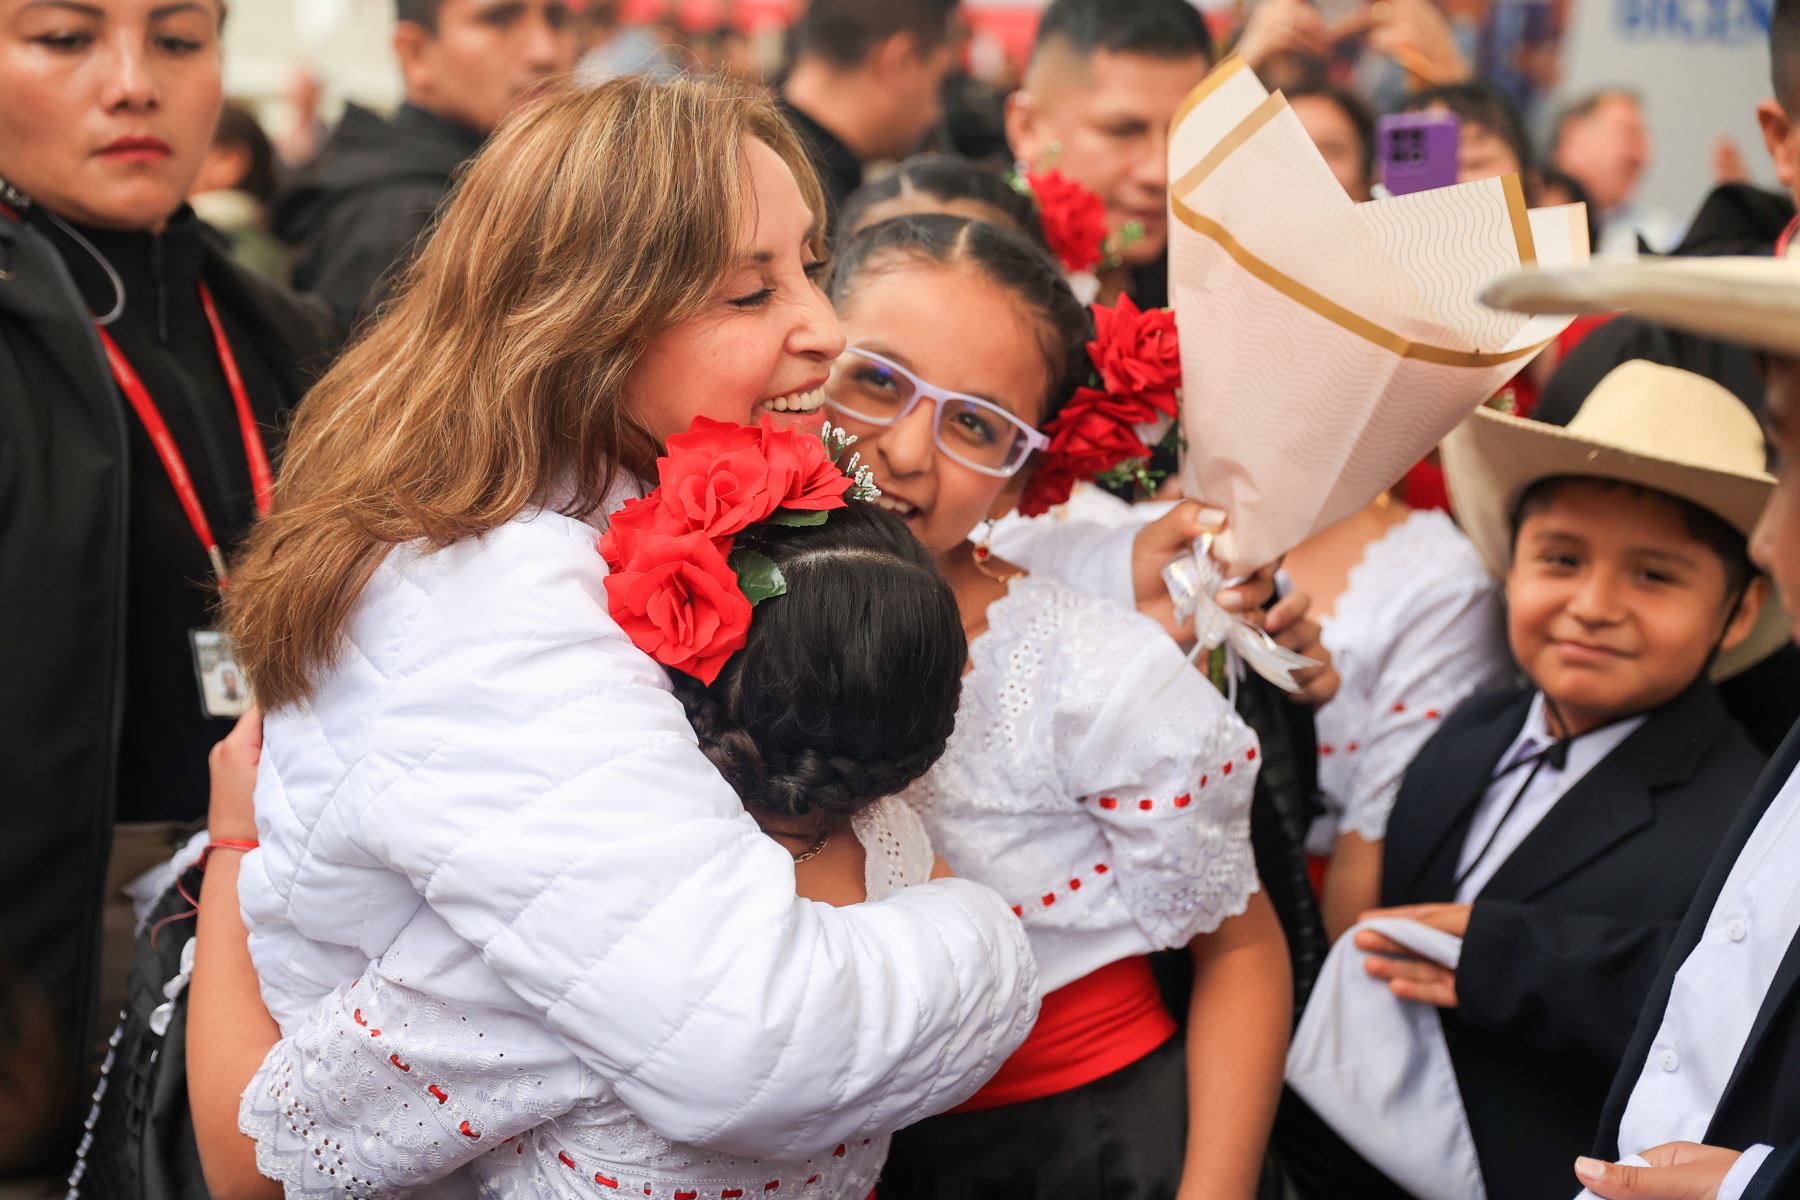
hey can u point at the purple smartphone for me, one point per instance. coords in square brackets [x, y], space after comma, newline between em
[1417, 151]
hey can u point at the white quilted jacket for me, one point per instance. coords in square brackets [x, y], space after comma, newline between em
[496, 794]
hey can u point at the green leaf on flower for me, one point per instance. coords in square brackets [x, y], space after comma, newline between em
[798, 518]
[758, 576]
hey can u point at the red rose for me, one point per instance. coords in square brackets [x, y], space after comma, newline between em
[678, 600]
[1137, 353]
[1051, 484]
[1094, 434]
[632, 524]
[716, 478]
[1073, 218]
[801, 471]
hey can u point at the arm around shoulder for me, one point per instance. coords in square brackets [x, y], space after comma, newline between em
[570, 829]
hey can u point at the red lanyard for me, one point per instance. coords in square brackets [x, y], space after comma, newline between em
[262, 480]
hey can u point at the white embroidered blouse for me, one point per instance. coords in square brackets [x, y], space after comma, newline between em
[1096, 780]
[372, 1087]
[1418, 629]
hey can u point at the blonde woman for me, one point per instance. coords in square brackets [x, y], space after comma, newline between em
[473, 785]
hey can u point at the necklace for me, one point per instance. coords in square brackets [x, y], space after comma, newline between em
[813, 849]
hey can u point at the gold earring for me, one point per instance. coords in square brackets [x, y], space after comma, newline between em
[983, 554]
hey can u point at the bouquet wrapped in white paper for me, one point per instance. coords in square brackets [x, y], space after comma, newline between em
[1329, 345]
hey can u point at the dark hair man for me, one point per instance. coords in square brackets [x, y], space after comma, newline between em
[354, 214]
[1100, 93]
[865, 83]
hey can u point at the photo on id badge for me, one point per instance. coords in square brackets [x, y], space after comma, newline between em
[224, 692]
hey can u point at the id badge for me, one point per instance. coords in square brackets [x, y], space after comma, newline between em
[224, 691]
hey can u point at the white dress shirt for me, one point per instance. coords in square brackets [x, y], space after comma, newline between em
[1546, 785]
[1718, 992]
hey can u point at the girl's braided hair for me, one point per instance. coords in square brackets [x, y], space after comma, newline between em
[846, 689]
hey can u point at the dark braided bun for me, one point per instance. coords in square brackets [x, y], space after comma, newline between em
[847, 686]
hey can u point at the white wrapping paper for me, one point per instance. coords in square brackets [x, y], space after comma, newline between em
[1328, 345]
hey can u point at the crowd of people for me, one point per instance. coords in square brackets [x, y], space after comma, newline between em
[720, 725]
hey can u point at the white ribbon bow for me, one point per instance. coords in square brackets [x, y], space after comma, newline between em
[1194, 581]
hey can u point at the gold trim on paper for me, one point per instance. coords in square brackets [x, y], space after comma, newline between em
[1521, 218]
[1206, 87]
[1336, 313]
[1259, 116]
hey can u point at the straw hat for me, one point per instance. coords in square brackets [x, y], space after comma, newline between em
[1753, 301]
[1645, 424]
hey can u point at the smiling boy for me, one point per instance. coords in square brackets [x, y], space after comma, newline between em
[1705, 1092]
[1554, 828]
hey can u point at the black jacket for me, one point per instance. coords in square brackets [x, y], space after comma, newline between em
[354, 214]
[1565, 940]
[1761, 1102]
[68, 514]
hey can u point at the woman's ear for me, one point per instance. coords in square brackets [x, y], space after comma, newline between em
[1743, 619]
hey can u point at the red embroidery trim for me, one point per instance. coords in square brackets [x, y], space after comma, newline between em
[565, 1160]
[772, 1185]
[732, 1194]
[687, 1196]
[1183, 800]
[811, 1181]
[395, 1059]
[358, 1018]
[839, 1152]
[438, 1092]
[1146, 805]
[603, 1181]
[1048, 899]
[1109, 802]
[467, 1132]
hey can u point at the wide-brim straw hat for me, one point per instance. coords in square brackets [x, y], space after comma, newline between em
[1751, 301]
[1645, 424]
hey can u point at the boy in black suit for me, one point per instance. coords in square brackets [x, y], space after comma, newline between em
[1708, 1091]
[1562, 829]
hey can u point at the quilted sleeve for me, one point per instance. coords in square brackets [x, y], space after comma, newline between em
[380, 1090]
[535, 779]
[1152, 751]
[1442, 650]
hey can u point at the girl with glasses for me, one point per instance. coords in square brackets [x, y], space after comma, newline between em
[1095, 779]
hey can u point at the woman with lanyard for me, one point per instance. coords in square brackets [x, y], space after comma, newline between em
[143, 381]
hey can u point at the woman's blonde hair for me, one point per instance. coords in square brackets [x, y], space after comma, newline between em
[494, 379]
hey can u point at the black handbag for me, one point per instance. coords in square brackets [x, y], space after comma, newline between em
[139, 1143]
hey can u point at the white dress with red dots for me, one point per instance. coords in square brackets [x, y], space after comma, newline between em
[1418, 629]
[380, 1081]
[1096, 780]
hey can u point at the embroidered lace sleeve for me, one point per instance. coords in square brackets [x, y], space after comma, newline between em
[896, 847]
[1441, 650]
[382, 1090]
[1157, 756]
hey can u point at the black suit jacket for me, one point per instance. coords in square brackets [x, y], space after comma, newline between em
[1761, 1102]
[1566, 939]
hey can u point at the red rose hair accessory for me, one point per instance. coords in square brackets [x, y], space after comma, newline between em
[1074, 222]
[1130, 403]
[678, 585]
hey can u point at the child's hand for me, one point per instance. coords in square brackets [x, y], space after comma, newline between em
[1407, 975]
[1169, 537]
[231, 813]
[1290, 626]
